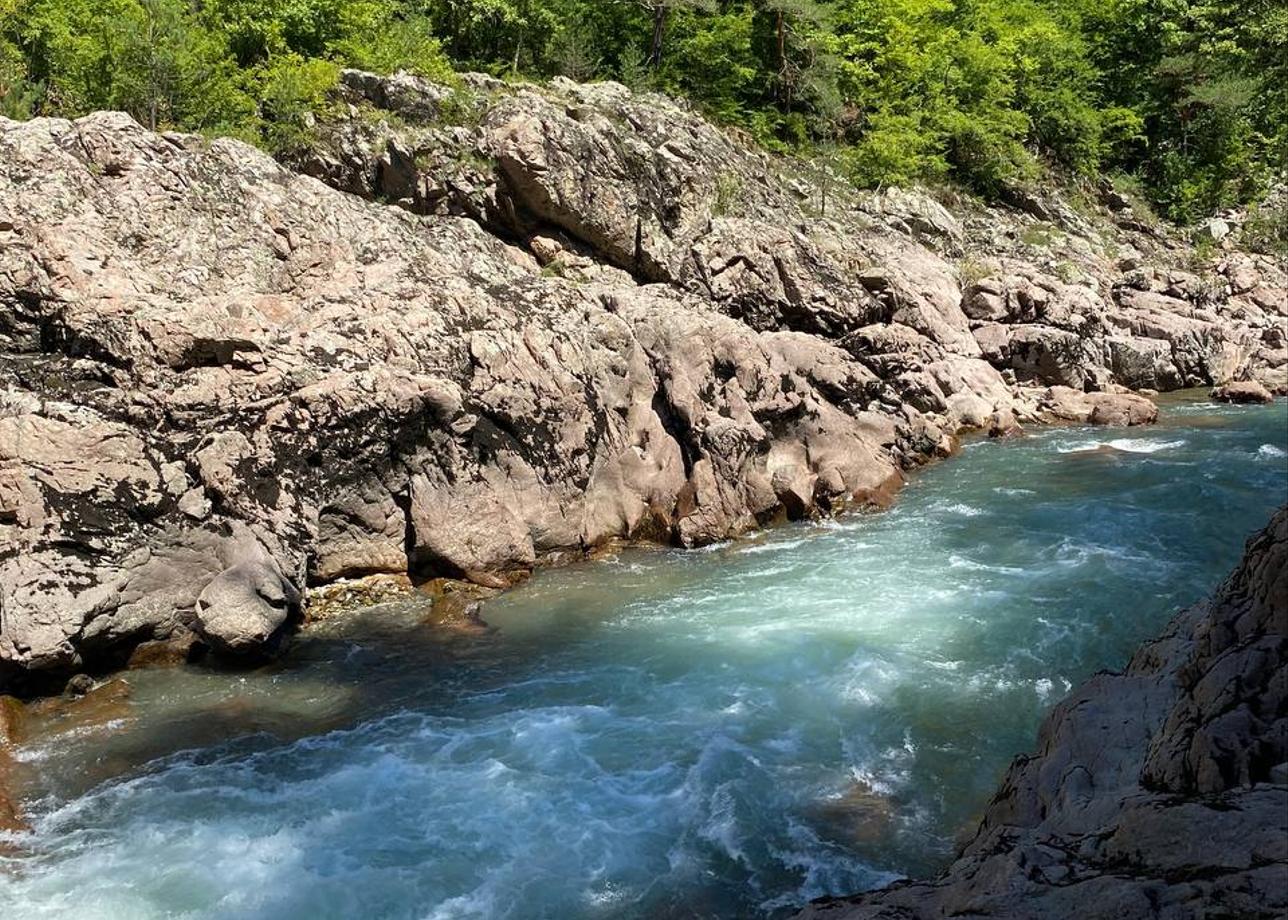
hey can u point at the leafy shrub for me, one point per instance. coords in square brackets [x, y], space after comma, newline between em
[1186, 95]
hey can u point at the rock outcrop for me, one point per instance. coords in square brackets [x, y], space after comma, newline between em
[588, 175]
[1158, 792]
[1243, 391]
[496, 324]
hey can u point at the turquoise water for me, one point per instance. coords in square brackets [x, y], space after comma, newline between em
[723, 733]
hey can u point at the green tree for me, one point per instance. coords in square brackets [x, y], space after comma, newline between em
[1190, 96]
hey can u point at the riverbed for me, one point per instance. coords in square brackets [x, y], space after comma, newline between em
[727, 732]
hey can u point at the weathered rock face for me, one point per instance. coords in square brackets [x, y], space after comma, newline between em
[587, 175]
[590, 316]
[1158, 792]
[224, 381]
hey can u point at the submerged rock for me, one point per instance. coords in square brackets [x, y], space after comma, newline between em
[10, 819]
[163, 653]
[1161, 791]
[11, 719]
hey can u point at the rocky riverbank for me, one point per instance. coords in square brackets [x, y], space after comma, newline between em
[496, 325]
[1161, 791]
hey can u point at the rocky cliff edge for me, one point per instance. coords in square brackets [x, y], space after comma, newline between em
[479, 328]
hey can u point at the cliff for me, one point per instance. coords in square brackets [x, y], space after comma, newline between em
[1161, 791]
[480, 328]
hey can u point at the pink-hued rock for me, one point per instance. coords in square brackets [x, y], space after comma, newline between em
[1243, 391]
[590, 315]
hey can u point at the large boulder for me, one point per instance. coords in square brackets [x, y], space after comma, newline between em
[1243, 391]
[1116, 410]
[244, 607]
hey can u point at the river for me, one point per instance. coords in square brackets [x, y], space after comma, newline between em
[718, 733]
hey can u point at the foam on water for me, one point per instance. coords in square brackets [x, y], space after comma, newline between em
[718, 734]
[1128, 445]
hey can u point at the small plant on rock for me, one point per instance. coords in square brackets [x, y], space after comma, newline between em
[971, 271]
[1266, 229]
[728, 195]
[1039, 236]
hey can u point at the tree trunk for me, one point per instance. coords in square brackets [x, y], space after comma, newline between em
[782, 43]
[659, 32]
[784, 89]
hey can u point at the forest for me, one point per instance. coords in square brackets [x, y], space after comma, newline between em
[1183, 102]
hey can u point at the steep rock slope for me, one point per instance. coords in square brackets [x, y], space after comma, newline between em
[589, 316]
[1158, 792]
[224, 380]
[584, 175]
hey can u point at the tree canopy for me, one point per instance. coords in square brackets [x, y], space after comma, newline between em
[1189, 98]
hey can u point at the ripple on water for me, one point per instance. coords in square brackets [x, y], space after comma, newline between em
[726, 733]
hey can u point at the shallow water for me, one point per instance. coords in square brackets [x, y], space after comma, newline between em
[721, 733]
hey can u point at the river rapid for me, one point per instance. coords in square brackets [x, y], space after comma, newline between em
[718, 733]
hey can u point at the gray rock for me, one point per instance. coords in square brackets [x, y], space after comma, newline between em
[242, 608]
[1212, 231]
[211, 358]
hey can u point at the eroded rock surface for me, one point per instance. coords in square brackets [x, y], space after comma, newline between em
[1158, 792]
[588, 316]
[1243, 391]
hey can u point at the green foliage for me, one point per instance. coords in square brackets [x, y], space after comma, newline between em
[1186, 96]
[18, 93]
[1038, 236]
[1207, 80]
[293, 91]
[971, 271]
[728, 196]
[1266, 229]
[895, 149]
[383, 43]
[257, 69]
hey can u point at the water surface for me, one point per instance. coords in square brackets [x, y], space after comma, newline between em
[722, 733]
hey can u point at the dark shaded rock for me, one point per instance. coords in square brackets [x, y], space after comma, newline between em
[163, 653]
[78, 687]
